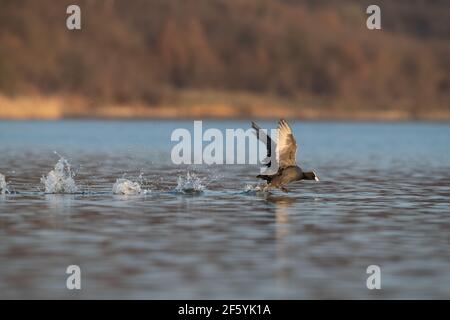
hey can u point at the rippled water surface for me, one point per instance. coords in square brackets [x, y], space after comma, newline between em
[204, 232]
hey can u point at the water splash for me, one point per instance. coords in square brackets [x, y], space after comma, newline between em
[3, 185]
[190, 184]
[60, 179]
[127, 187]
[254, 190]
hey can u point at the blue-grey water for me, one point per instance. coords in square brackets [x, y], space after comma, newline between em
[383, 199]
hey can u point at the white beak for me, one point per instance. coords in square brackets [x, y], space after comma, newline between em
[316, 178]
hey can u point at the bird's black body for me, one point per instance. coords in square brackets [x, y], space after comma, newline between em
[287, 175]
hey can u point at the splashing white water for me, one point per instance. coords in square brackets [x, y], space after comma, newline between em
[190, 184]
[127, 187]
[252, 188]
[3, 185]
[60, 179]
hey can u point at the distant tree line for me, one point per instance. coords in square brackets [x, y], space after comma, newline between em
[145, 50]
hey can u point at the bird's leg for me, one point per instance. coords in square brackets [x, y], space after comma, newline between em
[284, 189]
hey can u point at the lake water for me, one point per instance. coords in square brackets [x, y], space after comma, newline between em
[383, 199]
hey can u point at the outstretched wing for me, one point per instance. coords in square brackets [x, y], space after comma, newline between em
[261, 135]
[286, 146]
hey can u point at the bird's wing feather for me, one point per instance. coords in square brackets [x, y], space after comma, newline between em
[261, 135]
[286, 146]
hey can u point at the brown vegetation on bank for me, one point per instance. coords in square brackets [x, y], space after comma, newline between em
[225, 59]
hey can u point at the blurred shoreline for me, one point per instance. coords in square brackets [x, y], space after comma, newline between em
[200, 106]
[239, 59]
